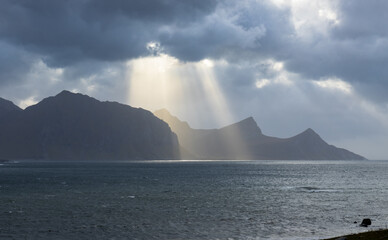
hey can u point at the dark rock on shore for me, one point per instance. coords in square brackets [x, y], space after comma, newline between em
[366, 222]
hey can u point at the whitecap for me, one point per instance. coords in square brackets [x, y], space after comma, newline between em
[310, 189]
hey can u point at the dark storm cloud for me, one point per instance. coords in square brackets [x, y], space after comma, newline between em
[77, 33]
[66, 32]
[362, 19]
[356, 60]
[363, 27]
[162, 11]
[14, 63]
[63, 33]
[239, 30]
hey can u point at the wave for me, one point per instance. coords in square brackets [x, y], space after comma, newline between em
[310, 189]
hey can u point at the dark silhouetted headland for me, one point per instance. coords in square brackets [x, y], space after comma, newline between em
[245, 140]
[72, 126]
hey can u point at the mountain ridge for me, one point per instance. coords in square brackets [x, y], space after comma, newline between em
[72, 126]
[247, 141]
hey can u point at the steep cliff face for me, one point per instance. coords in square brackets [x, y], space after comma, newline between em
[78, 127]
[245, 140]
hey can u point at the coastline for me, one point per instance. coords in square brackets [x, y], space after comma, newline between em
[381, 234]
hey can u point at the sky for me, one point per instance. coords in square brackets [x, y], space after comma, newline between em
[291, 64]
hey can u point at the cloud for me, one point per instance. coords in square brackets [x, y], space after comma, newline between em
[362, 19]
[352, 47]
[14, 64]
[236, 31]
[317, 40]
[82, 37]
[162, 12]
[67, 32]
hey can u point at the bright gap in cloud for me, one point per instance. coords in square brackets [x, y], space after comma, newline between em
[311, 17]
[335, 84]
[277, 74]
[329, 14]
[262, 83]
[27, 102]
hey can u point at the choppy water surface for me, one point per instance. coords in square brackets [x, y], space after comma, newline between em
[190, 200]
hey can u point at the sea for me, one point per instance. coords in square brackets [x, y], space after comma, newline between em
[191, 199]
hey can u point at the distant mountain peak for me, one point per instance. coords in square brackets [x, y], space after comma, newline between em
[248, 121]
[66, 93]
[65, 98]
[247, 125]
[310, 133]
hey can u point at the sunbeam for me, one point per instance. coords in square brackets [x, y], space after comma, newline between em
[151, 82]
[213, 93]
[192, 89]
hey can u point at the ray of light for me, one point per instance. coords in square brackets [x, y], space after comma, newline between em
[232, 136]
[163, 82]
[152, 82]
[213, 93]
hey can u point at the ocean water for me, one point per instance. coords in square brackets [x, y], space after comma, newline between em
[191, 200]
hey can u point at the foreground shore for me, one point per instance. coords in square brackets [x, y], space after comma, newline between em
[372, 235]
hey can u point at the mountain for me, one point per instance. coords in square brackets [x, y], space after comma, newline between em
[72, 126]
[245, 140]
[8, 108]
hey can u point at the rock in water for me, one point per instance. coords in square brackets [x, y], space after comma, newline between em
[366, 222]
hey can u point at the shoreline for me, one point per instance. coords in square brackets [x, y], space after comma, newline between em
[381, 234]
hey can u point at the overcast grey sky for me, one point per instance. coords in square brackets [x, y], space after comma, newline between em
[291, 64]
